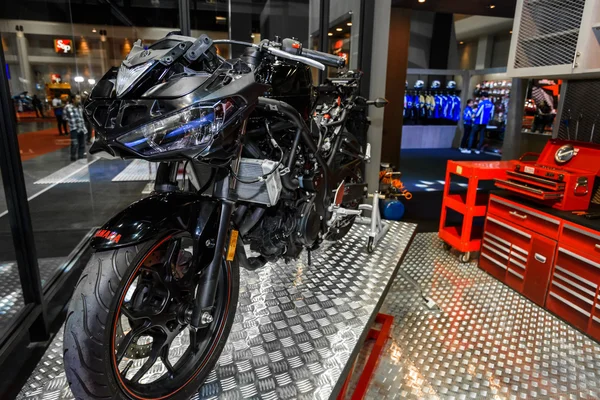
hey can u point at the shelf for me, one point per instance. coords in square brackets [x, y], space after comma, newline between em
[483, 170]
[451, 235]
[552, 35]
[458, 202]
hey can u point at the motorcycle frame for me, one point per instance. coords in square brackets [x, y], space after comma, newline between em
[222, 204]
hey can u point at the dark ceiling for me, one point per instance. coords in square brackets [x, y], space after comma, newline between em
[501, 8]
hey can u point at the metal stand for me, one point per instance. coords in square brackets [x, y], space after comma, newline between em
[379, 227]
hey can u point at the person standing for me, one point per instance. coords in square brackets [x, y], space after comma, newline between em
[542, 118]
[73, 113]
[57, 106]
[468, 125]
[484, 113]
[84, 97]
[37, 106]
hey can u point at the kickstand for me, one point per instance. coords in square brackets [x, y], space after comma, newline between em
[309, 258]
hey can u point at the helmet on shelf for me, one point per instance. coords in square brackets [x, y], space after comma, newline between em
[436, 84]
[451, 85]
[419, 84]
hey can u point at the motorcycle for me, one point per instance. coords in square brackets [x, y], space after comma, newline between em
[259, 186]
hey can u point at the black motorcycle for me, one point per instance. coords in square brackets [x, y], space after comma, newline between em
[259, 186]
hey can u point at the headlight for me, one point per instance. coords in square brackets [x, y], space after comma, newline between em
[196, 126]
[128, 76]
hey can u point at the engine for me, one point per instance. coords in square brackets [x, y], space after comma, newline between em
[294, 223]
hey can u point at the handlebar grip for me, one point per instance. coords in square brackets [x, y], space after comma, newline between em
[324, 58]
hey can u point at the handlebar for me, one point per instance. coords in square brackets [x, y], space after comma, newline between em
[292, 49]
[324, 58]
[295, 47]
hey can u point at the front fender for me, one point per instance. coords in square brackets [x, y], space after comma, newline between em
[154, 215]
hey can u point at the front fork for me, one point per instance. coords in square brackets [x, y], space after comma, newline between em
[209, 278]
[166, 181]
[207, 287]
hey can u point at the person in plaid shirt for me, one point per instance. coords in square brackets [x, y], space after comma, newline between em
[73, 114]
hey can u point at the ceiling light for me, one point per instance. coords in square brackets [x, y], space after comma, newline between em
[252, 36]
[330, 34]
[510, 32]
[78, 79]
[421, 1]
[492, 6]
[349, 23]
[94, 30]
[338, 29]
[462, 42]
[92, 81]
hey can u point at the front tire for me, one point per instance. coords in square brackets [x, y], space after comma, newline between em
[107, 313]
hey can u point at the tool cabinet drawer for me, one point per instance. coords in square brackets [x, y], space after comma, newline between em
[579, 237]
[574, 286]
[526, 217]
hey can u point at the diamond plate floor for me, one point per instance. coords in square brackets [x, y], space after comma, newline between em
[11, 294]
[484, 342]
[296, 326]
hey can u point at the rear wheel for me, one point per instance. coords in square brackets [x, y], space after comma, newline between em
[343, 225]
[127, 335]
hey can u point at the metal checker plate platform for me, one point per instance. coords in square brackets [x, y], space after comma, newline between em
[482, 341]
[296, 328]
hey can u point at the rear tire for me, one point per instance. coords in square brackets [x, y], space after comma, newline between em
[89, 335]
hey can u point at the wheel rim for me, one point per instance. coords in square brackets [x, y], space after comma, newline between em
[151, 314]
[344, 224]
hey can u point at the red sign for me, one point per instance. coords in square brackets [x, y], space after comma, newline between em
[63, 46]
[55, 78]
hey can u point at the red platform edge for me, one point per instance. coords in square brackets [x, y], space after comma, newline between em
[380, 336]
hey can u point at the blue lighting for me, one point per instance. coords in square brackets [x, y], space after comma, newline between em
[135, 142]
[207, 119]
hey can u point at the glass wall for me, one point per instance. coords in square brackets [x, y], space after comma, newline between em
[54, 49]
[57, 49]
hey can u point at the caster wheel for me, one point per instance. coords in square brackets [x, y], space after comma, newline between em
[465, 257]
[447, 247]
[370, 245]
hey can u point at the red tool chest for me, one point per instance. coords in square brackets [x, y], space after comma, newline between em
[562, 177]
[547, 257]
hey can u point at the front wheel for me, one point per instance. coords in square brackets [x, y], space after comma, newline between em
[127, 335]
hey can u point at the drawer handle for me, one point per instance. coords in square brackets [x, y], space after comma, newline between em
[540, 258]
[516, 214]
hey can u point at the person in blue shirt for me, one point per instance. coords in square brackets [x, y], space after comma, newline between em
[468, 125]
[483, 115]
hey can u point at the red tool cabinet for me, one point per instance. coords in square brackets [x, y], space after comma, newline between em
[549, 259]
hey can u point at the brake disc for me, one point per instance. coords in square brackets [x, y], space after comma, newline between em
[135, 350]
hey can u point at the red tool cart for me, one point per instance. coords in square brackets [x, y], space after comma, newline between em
[471, 203]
